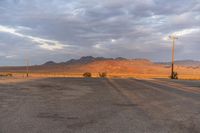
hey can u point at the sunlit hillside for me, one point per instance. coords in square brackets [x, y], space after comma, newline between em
[141, 68]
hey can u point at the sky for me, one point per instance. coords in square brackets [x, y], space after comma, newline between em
[58, 30]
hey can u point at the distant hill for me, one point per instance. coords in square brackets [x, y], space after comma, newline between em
[100, 64]
[82, 60]
[89, 59]
[186, 63]
[49, 63]
[89, 63]
[113, 66]
[192, 63]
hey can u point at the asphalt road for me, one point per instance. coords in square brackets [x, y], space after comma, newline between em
[78, 105]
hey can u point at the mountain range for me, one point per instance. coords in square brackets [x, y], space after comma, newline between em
[90, 59]
[113, 66]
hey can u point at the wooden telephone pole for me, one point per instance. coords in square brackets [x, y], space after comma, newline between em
[173, 38]
[27, 67]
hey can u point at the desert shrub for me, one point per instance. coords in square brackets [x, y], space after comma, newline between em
[9, 74]
[102, 75]
[87, 75]
[174, 76]
[6, 75]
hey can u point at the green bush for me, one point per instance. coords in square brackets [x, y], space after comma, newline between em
[87, 75]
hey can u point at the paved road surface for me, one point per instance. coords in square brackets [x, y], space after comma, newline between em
[77, 105]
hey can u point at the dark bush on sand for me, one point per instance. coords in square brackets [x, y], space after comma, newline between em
[87, 75]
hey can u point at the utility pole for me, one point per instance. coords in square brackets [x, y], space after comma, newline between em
[173, 38]
[27, 67]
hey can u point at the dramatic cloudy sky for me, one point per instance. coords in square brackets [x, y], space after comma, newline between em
[58, 30]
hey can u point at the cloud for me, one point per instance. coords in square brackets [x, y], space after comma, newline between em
[43, 43]
[59, 29]
[186, 32]
[182, 33]
[10, 56]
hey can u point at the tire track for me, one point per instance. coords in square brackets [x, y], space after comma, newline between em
[178, 86]
[175, 90]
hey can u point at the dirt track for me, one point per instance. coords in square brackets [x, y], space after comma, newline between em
[64, 105]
